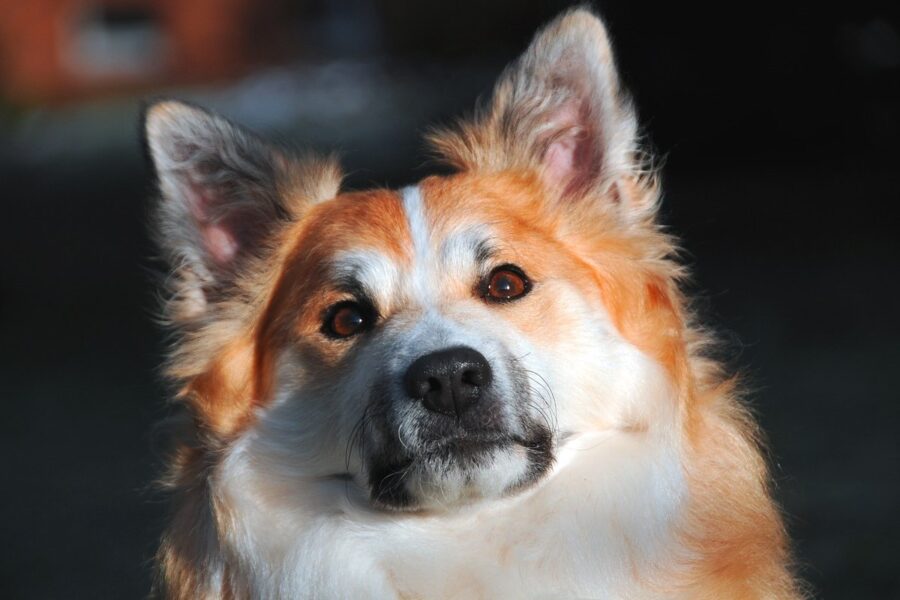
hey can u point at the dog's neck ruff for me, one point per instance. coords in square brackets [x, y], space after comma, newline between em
[598, 521]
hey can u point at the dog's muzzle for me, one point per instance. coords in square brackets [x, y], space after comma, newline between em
[447, 424]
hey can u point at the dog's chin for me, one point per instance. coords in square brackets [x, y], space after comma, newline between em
[453, 473]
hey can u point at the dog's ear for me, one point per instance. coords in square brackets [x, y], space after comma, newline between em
[224, 192]
[559, 110]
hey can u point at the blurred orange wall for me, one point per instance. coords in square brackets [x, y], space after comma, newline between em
[56, 50]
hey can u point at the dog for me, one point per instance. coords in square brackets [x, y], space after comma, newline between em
[485, 385]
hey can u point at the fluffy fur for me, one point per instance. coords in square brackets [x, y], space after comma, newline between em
[608, 457]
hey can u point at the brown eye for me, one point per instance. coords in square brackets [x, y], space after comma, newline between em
[506, 283]
[346, 319]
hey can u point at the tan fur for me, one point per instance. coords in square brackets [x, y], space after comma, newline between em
[733, 530]
[731, 541]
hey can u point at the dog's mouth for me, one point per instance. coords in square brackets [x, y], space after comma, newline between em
[466, 446]
[454, 469]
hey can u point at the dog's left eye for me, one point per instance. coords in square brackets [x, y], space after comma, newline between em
[505, 283]
[347, 319]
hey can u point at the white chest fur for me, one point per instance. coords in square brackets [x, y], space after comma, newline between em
[600, 521]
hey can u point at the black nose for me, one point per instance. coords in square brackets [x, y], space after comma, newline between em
[448, 381]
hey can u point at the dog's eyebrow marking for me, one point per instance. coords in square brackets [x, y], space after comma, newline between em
[484, 251]
[366, 274]
[469, 248]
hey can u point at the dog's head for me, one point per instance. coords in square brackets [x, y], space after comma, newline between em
[436, 344]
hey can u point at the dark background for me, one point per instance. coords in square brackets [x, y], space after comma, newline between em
[779, 127]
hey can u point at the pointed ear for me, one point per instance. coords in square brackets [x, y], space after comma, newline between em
[558, 110]
[224, 192]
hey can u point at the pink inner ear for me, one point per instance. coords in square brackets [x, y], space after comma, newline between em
[218, 239]
[219, 242]
[569, 156]
[559, 160]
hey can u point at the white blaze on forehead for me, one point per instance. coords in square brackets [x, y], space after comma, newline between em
[415, 217]
[420, 233]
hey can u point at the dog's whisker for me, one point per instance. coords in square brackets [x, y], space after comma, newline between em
[543, 414]
[548, 411]
[357, 437]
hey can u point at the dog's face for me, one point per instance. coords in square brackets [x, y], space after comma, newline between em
[423, 332]
[438, 344]
[449, 332]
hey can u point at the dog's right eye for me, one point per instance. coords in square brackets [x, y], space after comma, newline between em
[505, 283]
[346, 319]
